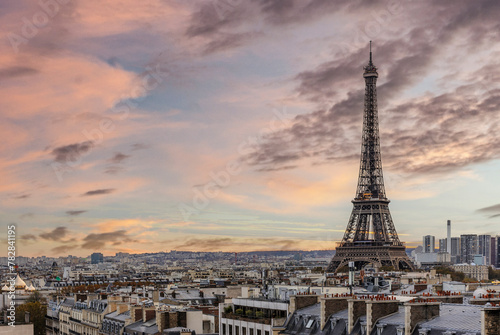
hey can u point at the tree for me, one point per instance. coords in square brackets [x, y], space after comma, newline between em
[493, 274]
[37, 315]
[36, 296]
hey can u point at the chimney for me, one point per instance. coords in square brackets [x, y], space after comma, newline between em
[111, 306]
[135, 313]
[490, 321]
[301, 301]
[356, 308]
[448, 238]
[331, 306]
[417, 312]
[378, 309]
[148, 313]
[122, 307]
[156, 297]
[160, 320]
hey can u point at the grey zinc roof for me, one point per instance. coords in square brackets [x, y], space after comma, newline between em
[117, 317]
[396, 318]
[143, 327]
[310, 310]
[68, 302]
[457, 317]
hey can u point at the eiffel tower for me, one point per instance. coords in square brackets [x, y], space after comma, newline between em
[370, 236]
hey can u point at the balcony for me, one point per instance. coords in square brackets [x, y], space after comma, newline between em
[254, 319]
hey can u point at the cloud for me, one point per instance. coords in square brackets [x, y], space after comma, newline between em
[118, 158]
[98, 192]
[231, 244]
[113, 169]
[63, 249]
[75, 212]
[55, 235]
[491, 209]
[22, 196]
[494, 208]
[16, 71]
[98, 241]
[71, 153]
[28, 237]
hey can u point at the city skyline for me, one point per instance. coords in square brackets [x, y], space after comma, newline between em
[236, 126]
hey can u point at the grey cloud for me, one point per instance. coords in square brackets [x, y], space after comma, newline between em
[113, 169]
[98, 241]
[98, 192]
[62, 249]
[72, 152]
[75, 212]
[28, 237]
[55, 235]
[494, 208]
[22, 196]
[17, 71]
[119, 157]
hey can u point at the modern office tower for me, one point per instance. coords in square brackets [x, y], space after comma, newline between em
[96, 258]
[468, 248]
[494, 251]
[429, 243]
[448, 236]
[455, 250]
[443, 245]
[497, 251]
[484, 248]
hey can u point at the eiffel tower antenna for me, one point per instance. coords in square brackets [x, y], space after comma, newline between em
[370, 236]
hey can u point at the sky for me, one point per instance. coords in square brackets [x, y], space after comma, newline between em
[232, 125]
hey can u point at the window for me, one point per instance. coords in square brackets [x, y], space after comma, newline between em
[230, 328]
[243, 331]
[237, 330]
[259, 332]
[223, 329]
[266, 332]
[251, 331]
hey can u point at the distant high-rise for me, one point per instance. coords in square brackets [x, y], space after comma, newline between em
[468, 248]
[494, 251]
[429, 244]
[497, 251]
[448, 237]
[455, 250]
[96, 258]
[443, 245]
[484, 247]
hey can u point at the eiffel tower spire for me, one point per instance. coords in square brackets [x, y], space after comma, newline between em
[370, 236]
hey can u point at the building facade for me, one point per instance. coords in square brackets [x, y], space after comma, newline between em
[468, 248]
[484, 248]
[429, 244]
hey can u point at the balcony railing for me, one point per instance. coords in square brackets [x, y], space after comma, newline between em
[261, 320]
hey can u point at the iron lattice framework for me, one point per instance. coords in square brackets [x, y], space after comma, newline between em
[370, 236]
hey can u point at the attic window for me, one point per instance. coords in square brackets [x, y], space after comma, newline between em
[309, 324]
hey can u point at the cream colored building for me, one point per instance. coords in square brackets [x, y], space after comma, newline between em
[478, 272]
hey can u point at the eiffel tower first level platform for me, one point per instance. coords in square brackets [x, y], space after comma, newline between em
[370, 236]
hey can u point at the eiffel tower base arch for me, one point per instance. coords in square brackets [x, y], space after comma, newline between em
[394, 256]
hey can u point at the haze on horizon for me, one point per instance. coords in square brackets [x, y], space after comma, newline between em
[235, 125]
